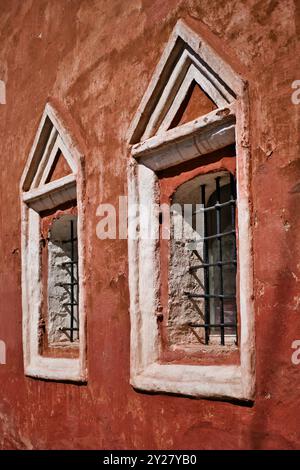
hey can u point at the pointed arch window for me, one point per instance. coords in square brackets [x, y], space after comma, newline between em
[53, 255]
[189, 135]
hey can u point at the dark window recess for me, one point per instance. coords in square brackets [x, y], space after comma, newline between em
[63, 281]
[72, 286]
[218, 260]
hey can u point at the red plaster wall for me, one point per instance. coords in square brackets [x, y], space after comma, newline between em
[95, 59]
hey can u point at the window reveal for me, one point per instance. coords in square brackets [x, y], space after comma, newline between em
[60, 322]
[202, 264]
[218, 261]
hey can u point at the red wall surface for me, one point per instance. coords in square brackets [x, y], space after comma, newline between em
[95, 60]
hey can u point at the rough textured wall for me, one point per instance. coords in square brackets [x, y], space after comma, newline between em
[95, 59]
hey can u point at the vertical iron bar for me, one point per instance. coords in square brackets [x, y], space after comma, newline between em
[206, 269]
[218, 214]
[234, 255]
[77, 285]
[232, 197]
[72, 284]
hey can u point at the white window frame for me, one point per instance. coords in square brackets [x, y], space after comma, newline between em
[150, 153]
[36, 196]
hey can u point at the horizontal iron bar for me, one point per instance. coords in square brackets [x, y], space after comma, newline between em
[69, 329]
[63, 284]
[210, 296]
[70, 241]
[217, 206]
[213, 325]
[70, 303]
[209, 265]
[66, 263]
[218, 235]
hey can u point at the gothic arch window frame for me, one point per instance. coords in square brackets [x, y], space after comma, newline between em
[38, 195]
[153, 148]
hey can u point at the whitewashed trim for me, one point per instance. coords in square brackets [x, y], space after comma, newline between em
[193, 74]
[58, 145]
[33, 200]
[167, 78]
[245, 261]
[50, 162]
[190, 380]
[147, 373]
[35, 161]
[187, 69]
[45, 158]
[51, 194]
[206, 134]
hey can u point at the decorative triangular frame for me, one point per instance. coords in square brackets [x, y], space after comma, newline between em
[36, 196]
[186, 57]
[54, 145]
[51, 136]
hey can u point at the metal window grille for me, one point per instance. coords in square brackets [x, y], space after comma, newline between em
[224, 324]
[72, 286]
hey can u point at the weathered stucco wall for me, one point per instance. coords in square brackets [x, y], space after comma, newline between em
[95, 59]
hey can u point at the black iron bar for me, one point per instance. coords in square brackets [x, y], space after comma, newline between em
[219, 230]
[231, 202]
[212, 325]
[209, 296]
[66, 284]
[72, 284]
[217, 235]
[68, 241]
[68, 263]
[233, 197]
[210, 265]
[233, 224]
[69, 329]
[206, 270]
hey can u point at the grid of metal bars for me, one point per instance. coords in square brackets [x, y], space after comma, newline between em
[206, 265]
[72, 286]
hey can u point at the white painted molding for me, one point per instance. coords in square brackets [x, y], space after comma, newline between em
[193, 75]
[170, 147]
[58, 146]
[45, 158]
[222, 86]
[50, 128]
[206, 134]
[52, 194]
[190, 380]
[36, 196]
